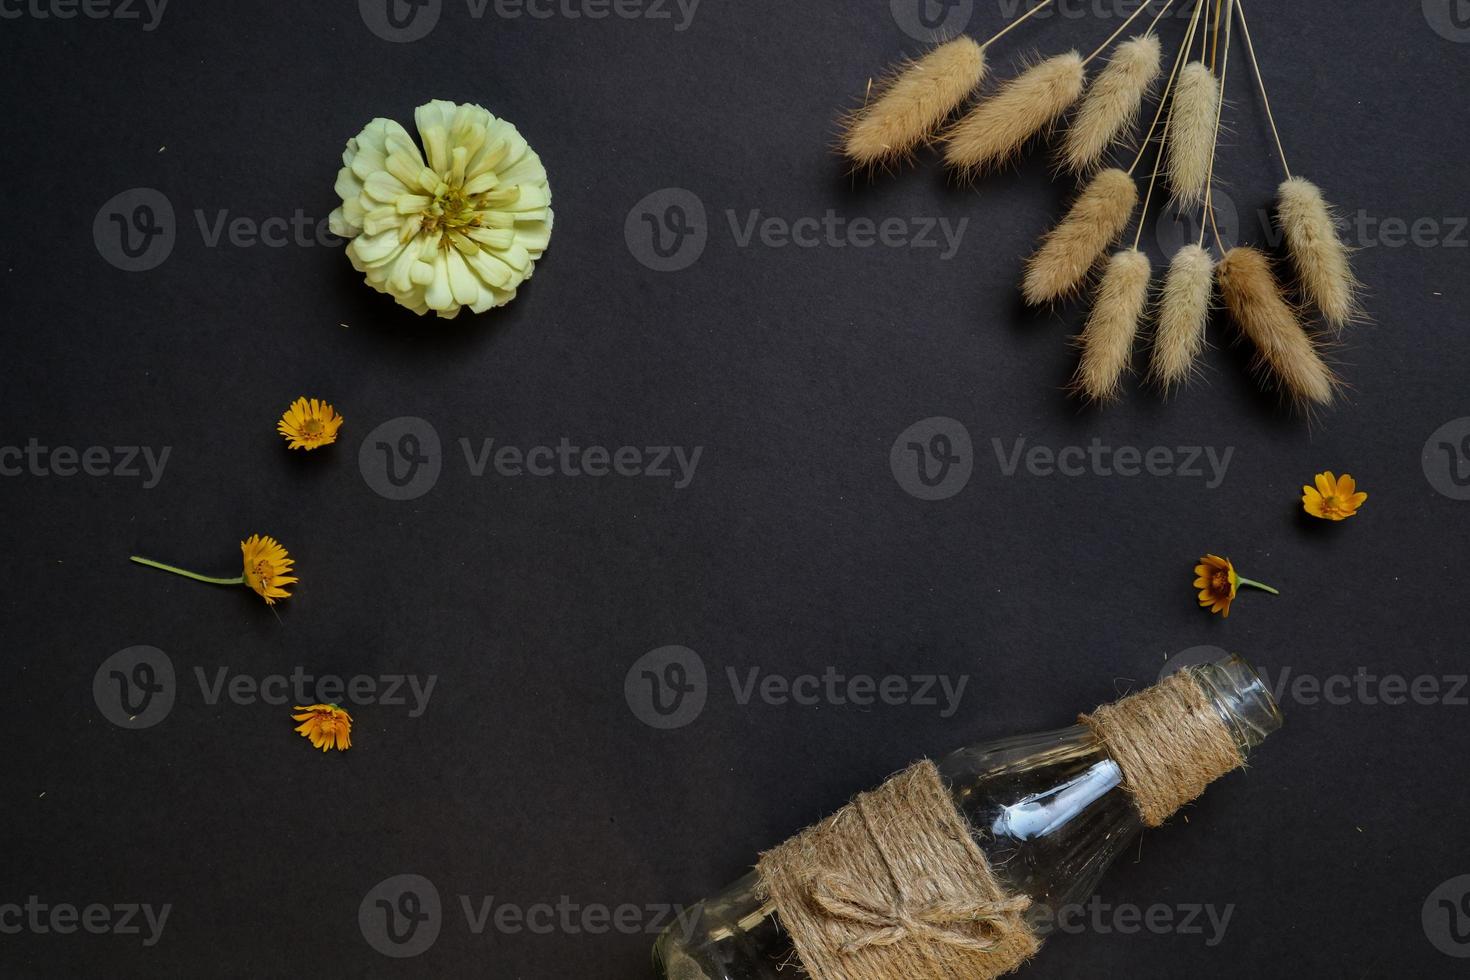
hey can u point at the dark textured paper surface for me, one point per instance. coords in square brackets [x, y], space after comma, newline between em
[529, 777]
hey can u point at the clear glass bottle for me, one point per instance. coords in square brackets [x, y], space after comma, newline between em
[1048, 810]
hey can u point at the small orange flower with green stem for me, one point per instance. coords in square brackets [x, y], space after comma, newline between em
[1217, 581]
[266, 569]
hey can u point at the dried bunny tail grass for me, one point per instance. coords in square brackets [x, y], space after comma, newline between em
[1320, 257]
[1256, 304]
[1107, 339]
[1184, 308]
[918, 97]
[1072, 248]
[1111, 104]
[1192, 132]
[995, 130]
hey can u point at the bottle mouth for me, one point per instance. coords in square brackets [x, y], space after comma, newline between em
[1244, 702]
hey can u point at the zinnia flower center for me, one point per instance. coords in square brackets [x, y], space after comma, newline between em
[1220, 582]
[313, 427]
[450, 210]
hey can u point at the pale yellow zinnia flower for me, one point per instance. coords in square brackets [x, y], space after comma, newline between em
[459, 224]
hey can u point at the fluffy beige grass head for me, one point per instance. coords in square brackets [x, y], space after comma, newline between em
[1254, 300]
[1111, 104]
[1072, 248]
[996, 129]
[1184, 308]
[1317, 252]
[912, 104]
[1107, 338]
[1192, 132]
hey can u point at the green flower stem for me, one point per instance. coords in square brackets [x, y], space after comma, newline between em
[193, 575]
[1242, 580]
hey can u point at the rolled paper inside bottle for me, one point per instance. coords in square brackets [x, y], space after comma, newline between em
[894, 886]
[1169, 741]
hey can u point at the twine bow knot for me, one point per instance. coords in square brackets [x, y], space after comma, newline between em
[887, 921]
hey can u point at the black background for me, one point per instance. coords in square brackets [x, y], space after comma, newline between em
[794, 548]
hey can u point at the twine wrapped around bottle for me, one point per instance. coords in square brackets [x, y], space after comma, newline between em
[1170, 743]
[894, 887]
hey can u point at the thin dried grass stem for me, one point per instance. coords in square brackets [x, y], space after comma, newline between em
[1215, 137]
[1250, 48]
[1153, 177]
[1124, 26]
[1018, 22]
[1164, 102]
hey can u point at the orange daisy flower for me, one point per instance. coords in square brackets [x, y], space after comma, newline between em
[309, 424]
[1217, 581]
[327, 725]
[267, 568]
[1333, 498]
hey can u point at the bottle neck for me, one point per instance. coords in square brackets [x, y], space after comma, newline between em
[1175, 738]
[1242, 700]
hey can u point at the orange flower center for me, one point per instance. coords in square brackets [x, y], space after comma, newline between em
[313, 427]
[1220, 582]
